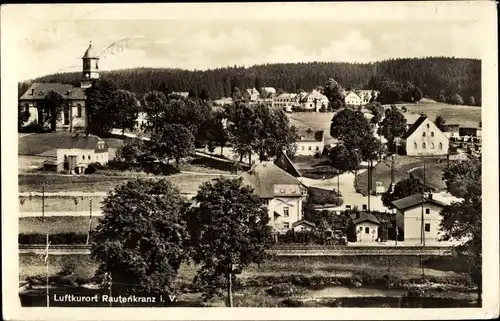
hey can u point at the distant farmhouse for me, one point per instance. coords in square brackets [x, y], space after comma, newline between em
[424, 138]
[73, 117]
[310, 142]
[451, 130]
[283, 194]
[312, 101]
[356, 98]
[286, 101]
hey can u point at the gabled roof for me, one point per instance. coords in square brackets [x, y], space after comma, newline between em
[414, 127]
[310, 135]
[352, 92]
[303, 222]
[363, 217]
[262, 177]
[38, 91]
[284, 162]
[37, 144]
[414, 200]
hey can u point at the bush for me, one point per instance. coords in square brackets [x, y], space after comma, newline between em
[283, 290]
[318, 196]
[93, 167]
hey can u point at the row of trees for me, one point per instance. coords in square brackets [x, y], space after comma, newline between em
[149, 229]
[431, 75]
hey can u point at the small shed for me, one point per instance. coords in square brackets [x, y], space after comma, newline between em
[366, 226]
[302, 225]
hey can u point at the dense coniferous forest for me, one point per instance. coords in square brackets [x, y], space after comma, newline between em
[431, 75]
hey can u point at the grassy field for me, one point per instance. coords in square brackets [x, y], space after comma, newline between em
[56, 224]
[187, 183]
[58, 204]
[382, 172]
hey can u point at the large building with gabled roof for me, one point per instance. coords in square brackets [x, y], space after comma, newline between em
[283, 194]
[424, 138]
[73, 116]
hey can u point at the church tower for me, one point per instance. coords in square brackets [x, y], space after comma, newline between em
[90, 67]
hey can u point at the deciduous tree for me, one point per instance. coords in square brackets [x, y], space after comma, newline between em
[229, 230]
[174, 142]
[440, 122]
[100, 106]
[52, 106]
[463, 220]
[126, 110]
[141, 238]
[405, 187]
[334, 92]
[456, 99]
[392, 126]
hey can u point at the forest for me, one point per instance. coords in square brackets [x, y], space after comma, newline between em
[433, 75]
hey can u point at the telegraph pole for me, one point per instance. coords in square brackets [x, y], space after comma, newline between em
[43, 202]
[90, 221]
[369, 183]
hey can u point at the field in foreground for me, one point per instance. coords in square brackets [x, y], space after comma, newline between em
[187, 183]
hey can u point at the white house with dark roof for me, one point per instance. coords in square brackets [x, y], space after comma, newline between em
[73, 116]
[310, 142]
[366, 226]
[76, 151]
[353, 99]
[419, 216]
[282, 193]
[251, 94]
[424, 138]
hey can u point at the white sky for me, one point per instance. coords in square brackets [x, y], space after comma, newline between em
[53, 38]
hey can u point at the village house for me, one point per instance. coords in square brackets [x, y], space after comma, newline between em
[469, 132]
[310, 142]
[424, 138]
[74, 152]
[268, 92]
[183, 94]
[451, 130]
[73, 116]
[419, 216]
[366, 226]
[303, 225]
[353, 100]
[251, 94]
[312, 101]
[282, 193]
[285, 101]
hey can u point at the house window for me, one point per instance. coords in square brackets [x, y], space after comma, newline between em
[65, 158]
[432, 145]
[83, 157]
[303, 147]
[428, 126]
[367, 230]
[427, 211]
[348, 207]
[317, 148]
[89, 157]
[286, 212]
[282, 191]
[415, 145]
[423, 134]
[286, 225]
[310, 147]
[423, 145]
[78, 110]
[440, 145]
[427, 227]
[432, 134]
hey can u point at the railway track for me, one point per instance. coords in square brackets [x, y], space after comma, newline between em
[278, 251]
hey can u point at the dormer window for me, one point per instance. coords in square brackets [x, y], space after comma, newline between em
[294, 191]
[428, 126]
[282, 191]
[423, 134]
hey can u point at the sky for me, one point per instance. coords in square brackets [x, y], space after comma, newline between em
[50, 42]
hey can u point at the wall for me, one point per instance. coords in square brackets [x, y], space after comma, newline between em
[303, 147]
[278, 204]
[77, 123]
[353, 100]
[361, 236]
[431, 142]
[412, 223]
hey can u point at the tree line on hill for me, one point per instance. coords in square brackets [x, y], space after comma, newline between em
[438, 78]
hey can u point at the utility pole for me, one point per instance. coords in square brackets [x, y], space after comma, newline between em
[90, 221]
[369, 183]
[47, 270]
[338, 182]
[392, 169]
[43, 202]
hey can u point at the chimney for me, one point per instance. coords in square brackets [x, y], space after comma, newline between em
[429, 196]
[357, 214]
[68, 93]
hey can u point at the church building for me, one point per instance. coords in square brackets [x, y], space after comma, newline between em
[73, 116]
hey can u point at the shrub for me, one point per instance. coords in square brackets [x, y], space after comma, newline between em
[93, 167]
[289, 303]
[283, 290]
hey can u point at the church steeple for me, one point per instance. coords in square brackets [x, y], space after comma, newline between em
[90, 70]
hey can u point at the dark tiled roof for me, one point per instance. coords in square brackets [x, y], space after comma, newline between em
[414, 127]
[37, 144]
[114, 142]
[450, 127]
[284, 162]
[42, 89]
[311, 135]
[414, 200]
[264, 176]
[363, 217]
[303, 222]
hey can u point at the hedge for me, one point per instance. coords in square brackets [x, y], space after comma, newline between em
[55, 239]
